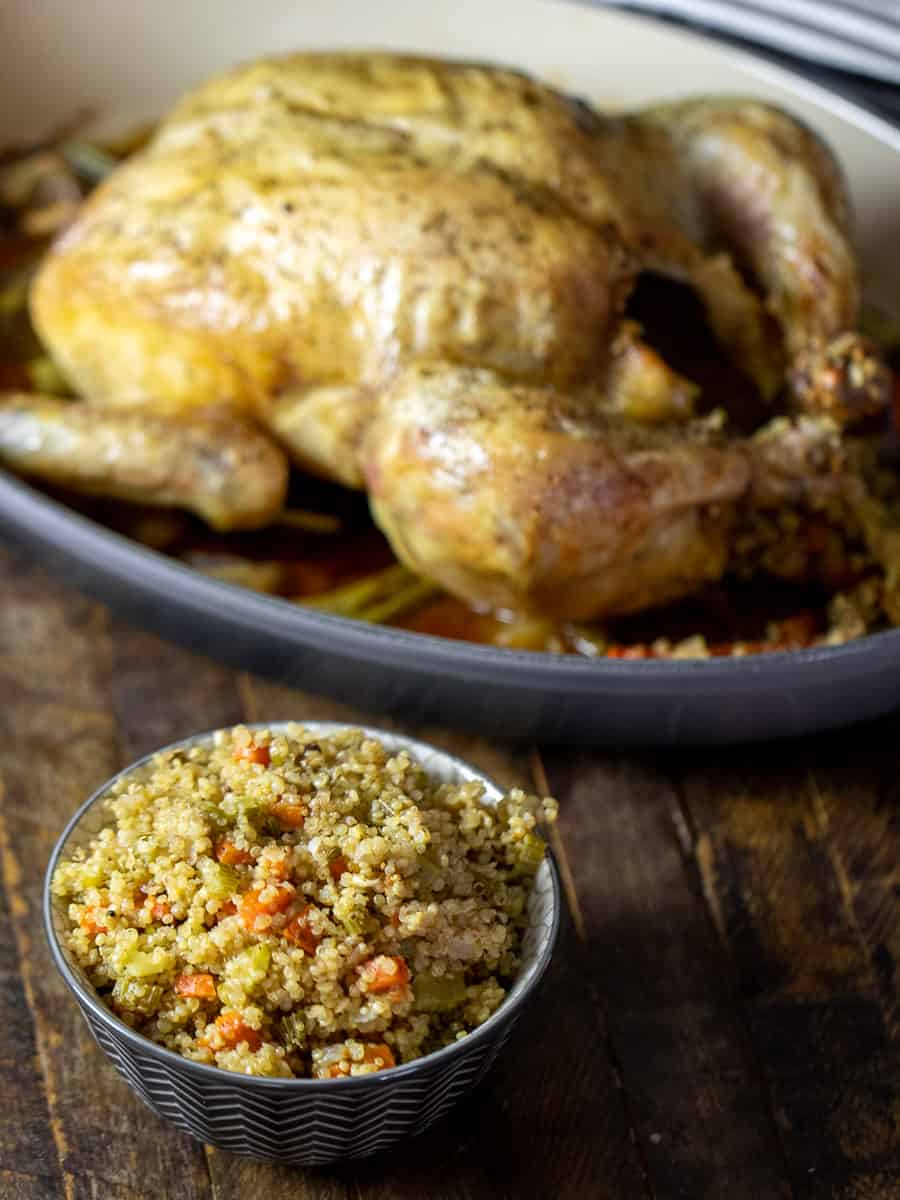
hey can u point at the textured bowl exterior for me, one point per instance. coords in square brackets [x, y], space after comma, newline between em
[305, 1122]
[299, 1128]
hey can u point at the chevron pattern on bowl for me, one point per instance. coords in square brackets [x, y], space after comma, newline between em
[305, 1122]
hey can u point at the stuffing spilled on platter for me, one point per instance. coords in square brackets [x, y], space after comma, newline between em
[293, 904]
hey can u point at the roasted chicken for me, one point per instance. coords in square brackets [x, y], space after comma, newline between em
[410, 277]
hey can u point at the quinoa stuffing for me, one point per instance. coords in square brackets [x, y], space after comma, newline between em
[293, 904]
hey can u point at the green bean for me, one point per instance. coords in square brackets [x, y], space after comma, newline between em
[408, 598]
[309, 522]
[349, 599]
[89, 162]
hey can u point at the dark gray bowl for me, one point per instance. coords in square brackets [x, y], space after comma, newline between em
[509, 693]
[304, 1122]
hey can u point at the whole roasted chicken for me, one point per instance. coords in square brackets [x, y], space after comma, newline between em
[410, 276]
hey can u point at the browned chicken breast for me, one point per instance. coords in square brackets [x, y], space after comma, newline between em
[412, 275]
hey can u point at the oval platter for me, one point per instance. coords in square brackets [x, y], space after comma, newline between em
[133, 60]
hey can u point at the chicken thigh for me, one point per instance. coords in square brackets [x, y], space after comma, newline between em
[412, 276]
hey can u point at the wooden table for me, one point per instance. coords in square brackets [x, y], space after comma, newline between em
[720, 1021]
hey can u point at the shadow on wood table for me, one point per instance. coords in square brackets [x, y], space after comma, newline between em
[720, 1020]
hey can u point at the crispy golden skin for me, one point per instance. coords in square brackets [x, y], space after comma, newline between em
[544, 501]
[379, 259]
[214, 463]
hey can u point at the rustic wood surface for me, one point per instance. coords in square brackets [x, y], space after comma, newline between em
[721, 1019]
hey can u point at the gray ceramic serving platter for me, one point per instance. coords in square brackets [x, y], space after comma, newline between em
[131, 61]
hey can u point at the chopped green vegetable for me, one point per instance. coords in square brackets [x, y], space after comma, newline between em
[130, 994]
[138, 964]
[350, 911]
[310, 522]
[250, 966]
[348, 600]
[88, 162]
[220, 881]
[45, 376]
[293, 1031]
[402, 601]
[438, 993]
[529, 852]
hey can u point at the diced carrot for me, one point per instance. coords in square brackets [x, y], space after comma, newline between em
[201, 985]
[277, 868]
[375, 1054]
[232, 1030]
[263, 902]
[89, 921]
[228, 909]
[638, 650]
[289, 813]
[337, 867]
[231, 855]
[384, 973]
[379, 1051]
[798, 630]
[250, 752]
[299, 932]
[159, 905]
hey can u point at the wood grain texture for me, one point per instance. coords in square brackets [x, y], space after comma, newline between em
[26, 1140]
[771, 868]
[700, 1113]
[856, 802]
[720, 1019]
[18, 1185]
[58, 741]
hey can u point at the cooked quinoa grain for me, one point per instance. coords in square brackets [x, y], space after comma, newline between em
[293, 904]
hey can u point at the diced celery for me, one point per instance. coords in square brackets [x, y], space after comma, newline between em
[438, 993]
[137, 997]
[293, 1031]
[530, 852]
[250, 966]
[220, 881]
[515, 901]
[350, 911]
[138, 964]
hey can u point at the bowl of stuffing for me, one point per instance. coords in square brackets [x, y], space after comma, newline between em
[302, 942]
